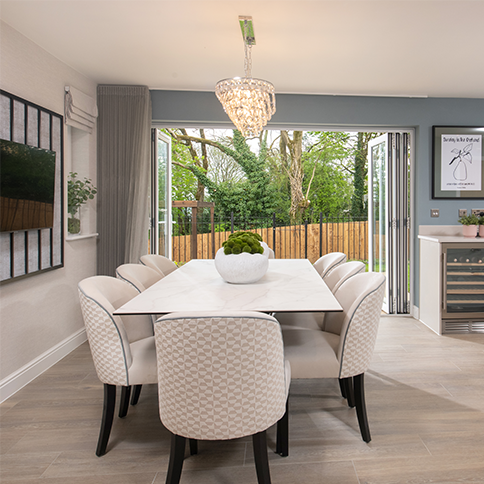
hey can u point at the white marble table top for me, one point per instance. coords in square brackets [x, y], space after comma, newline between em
[289, 285]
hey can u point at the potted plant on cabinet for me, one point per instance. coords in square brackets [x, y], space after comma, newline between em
[470, 225]
[242, 258]
[78, 193]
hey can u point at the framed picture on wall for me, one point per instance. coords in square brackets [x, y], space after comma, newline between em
[457, 162]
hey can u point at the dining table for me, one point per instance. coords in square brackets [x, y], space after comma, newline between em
[289, 285]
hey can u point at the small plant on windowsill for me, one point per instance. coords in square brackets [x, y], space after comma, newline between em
[78, 193]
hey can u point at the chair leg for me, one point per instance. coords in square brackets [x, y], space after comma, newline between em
[135, 395]
[342, 387]
[177, 453]
[349, 391]
[193, 446]
[282, 439]
[259, 442]
[124, 403]
[107, 418]
[361, 407]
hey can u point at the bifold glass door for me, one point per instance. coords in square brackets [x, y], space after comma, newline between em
[388, 217]
[160, 226]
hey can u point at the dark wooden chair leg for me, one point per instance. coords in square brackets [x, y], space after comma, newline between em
[342, 387]
[124, 403]
[107, 418]
[282, 439]
[259, 442]
[193, 446]
[177, 453]
[349, 391]
[135, 395]
[361, 407]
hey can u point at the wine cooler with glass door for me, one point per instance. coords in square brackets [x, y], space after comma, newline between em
[463, 288]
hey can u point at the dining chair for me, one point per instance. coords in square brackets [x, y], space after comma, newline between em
[342, 273]
[309, 320]
[159, 263]
[345, 348]
[222, 376]
[328, 262]
[123, 348]
[141, 277]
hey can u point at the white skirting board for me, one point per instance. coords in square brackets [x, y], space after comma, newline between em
[416, 312]
[17, 380]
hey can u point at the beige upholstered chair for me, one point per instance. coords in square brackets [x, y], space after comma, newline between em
[344, 350]
[159, 262]
[222, 376]
[342, 273]
[334, 280]
[141, 277]
[123, 348]
[328, 262]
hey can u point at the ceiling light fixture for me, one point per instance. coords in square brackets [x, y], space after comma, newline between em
[248, 102]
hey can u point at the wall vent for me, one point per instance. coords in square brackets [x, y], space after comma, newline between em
[462, 326]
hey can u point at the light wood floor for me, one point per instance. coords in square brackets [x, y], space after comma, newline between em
[425, 398]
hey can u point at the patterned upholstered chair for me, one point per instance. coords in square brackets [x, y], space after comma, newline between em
[159, 263]
[123, 348]
[328, 262]
[222, 376]
[141, 277]
[309, 320]
[345, 348]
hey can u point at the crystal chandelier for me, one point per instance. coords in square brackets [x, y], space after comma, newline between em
[248, 102]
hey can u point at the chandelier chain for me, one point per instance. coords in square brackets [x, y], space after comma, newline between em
[248, 60]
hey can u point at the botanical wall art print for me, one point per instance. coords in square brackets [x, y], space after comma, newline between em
[458, 163]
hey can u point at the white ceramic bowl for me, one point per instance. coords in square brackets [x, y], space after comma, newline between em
[241, 268]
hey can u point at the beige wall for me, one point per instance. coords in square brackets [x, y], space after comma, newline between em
[40, 312]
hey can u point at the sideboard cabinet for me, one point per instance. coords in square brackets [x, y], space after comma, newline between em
[452, 284]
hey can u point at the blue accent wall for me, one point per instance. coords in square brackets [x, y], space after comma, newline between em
[189, 108]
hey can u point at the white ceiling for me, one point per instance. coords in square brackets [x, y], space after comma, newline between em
[392, 47]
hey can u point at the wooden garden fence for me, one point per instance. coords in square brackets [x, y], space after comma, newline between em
[305, 241]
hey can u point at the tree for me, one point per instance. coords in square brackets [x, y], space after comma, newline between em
[295, 171]
[251, 195]
[332, 189]
[311, 164]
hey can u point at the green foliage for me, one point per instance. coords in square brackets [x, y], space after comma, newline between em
[334, 180]
[184, 182]
[326, 162]
[328, 159]
[251, 197]
[78, 192]
[239, 242]
[470, 220]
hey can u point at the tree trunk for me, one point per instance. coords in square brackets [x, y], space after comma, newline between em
[299, 203]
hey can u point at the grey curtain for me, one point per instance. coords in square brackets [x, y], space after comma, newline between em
[124, 125]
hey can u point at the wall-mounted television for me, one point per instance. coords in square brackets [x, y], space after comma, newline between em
[27, 185]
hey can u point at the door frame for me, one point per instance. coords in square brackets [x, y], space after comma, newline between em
[414, 311]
